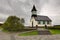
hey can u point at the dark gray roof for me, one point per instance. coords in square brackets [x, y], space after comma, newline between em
[42, 18]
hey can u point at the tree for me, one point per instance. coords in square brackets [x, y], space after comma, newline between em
[13, 23]
[22, 20]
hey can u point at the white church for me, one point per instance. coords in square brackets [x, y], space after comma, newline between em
[39, 19]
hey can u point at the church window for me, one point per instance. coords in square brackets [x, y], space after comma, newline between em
[43, 22]
[39, 22]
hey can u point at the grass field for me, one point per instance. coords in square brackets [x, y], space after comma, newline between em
[54, 31]
[29, 33]
[1, 28]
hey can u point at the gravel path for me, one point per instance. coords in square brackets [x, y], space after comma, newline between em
[42, 31]
[4, 36]
[39, 37]
[7, 36]
[14, 36]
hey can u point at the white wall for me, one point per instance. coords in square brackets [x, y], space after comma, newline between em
[36, 23]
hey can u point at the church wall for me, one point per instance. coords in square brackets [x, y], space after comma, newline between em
[36, 23]
[44, 24]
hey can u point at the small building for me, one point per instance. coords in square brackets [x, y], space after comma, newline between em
[39, 19]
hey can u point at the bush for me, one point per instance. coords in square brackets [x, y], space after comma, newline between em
[13, 24]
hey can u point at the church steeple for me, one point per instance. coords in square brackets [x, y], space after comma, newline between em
[34, 11]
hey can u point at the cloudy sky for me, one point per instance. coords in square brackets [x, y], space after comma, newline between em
[22, 8]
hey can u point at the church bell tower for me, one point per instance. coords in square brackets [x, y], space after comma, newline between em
[34, 14]
[34, 11]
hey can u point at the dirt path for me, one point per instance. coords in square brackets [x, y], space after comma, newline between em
[4, 36]
[7, 36]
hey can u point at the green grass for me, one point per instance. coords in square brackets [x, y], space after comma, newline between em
[54, 31]
[5, 30]
[29, 33]
[1, 28]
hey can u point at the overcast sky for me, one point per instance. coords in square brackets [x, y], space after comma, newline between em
[22, 8]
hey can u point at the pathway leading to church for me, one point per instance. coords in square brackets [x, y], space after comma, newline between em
[6, 36]
[42, 31]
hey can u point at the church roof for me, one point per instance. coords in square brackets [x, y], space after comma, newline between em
[42, 18]
[33, 9]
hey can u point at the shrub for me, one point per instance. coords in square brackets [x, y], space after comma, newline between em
[13, 23]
